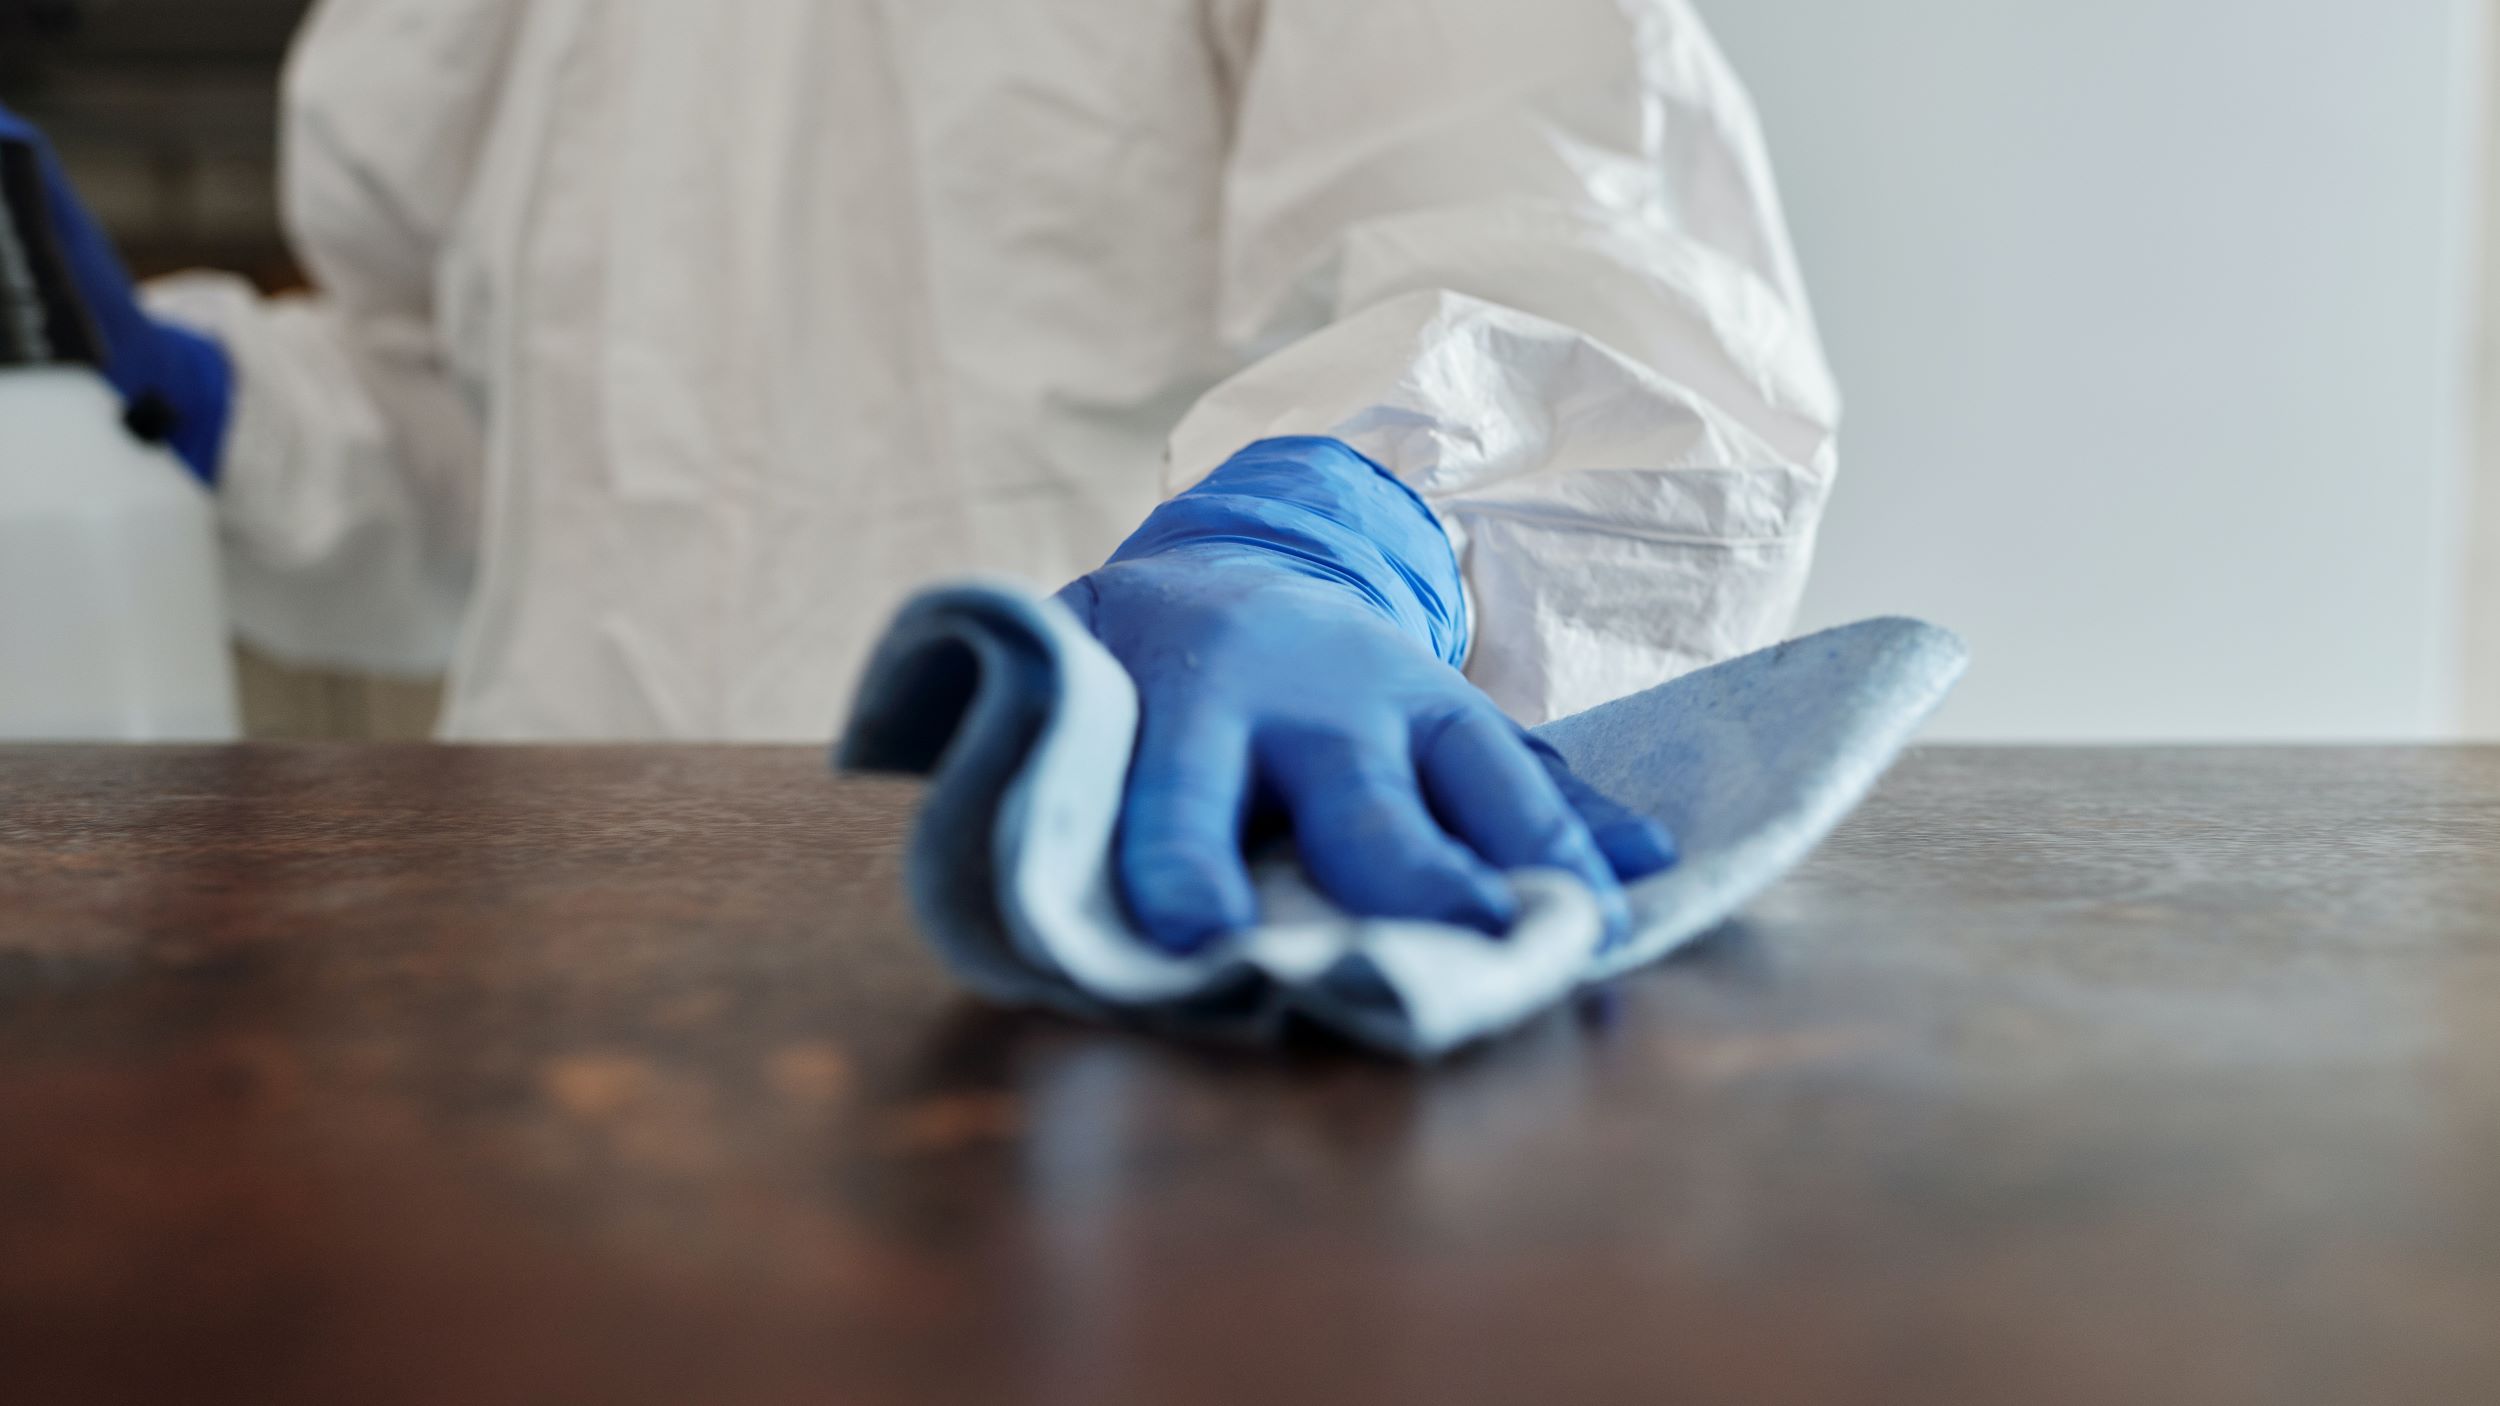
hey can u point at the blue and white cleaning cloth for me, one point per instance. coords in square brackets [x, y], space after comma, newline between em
[1024, 724]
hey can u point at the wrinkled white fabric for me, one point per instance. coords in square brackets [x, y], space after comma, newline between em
[661, 348]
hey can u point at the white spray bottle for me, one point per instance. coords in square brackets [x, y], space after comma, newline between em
[112, 608]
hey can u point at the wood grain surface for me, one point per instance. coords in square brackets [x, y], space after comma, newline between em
[379, 1075]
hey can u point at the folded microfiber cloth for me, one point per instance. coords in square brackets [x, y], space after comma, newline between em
[1025, 724]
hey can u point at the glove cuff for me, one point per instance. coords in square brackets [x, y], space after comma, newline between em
[1323, 509]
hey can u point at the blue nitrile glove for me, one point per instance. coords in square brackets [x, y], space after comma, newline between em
[1293, 625]
[178, 385]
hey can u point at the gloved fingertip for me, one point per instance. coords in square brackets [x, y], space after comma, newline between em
[1616, 912]
[1637, 847]
[1485, 903]
[1186, 933]
[1183, 939]
[1185, 906]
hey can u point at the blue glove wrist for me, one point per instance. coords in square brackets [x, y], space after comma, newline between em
[1316, 507]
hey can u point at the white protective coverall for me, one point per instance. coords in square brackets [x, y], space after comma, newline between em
[662, 347]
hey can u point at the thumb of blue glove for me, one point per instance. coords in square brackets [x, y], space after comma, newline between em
[178, 385]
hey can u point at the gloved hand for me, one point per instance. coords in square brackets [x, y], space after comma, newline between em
[1293, 625]
[178, 385]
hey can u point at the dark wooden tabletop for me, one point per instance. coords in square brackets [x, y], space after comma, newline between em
[480, 1076]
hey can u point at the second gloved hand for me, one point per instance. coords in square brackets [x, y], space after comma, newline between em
[1293, 625]
[177, 384]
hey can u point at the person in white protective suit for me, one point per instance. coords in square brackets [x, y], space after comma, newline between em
[659, 349]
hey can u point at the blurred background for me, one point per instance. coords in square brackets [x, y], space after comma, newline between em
[2158, 324]
[167, 110]
[2163, 324]
[166, 113]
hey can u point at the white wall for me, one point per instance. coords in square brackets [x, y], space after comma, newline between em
[2153, 317]
[2482, 577]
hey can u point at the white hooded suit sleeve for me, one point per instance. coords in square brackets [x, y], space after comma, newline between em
[349, 482]
[1529, 258]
